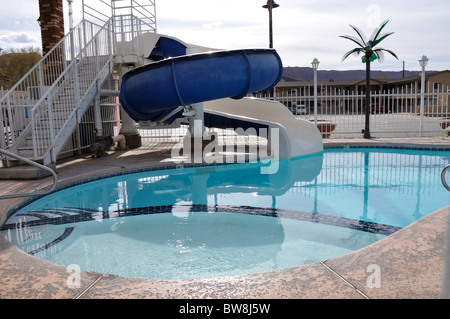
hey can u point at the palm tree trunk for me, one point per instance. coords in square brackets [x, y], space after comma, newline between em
[51, 20]
[367, 101]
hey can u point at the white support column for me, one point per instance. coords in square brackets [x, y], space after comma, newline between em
[98, 115]
[128, 128]
[198, 116]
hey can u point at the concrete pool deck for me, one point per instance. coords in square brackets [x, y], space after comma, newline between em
[411, 261]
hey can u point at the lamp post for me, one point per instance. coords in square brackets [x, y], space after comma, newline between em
[423, 63]
[72, 49]
[315, 65]
[270, 5]
[70, 14]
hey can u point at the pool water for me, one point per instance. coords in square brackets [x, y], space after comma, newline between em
[231, 219]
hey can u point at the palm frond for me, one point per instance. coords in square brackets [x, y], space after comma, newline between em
[384, 36]
[377, 31]
[386, 50]
[356, 51]
[369, 47]
[380, 55]
[354, 39]
[362, 36]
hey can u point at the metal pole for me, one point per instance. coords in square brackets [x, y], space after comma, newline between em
[423, 63]
[315, 96]
[72, 46]
[70, 14]
[367, 102]
[30, 162]
[270, 24]
[445, 289]
[422, 99]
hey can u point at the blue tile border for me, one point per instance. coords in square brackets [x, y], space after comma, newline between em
[54, 242]
[91, 215]
[387, 146]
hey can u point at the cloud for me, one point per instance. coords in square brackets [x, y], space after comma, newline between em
[212, 25]
[18, 38]
[302, 30]
[18, 24]
[15, 40]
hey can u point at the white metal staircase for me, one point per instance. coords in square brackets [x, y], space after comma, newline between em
[42, 112]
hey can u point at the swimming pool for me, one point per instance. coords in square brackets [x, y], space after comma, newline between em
[231, 219]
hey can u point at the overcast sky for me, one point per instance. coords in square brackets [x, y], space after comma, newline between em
[302, 29]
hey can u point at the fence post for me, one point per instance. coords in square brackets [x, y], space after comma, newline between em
[10, 118]
[109, 38]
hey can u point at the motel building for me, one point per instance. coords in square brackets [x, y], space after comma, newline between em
[347, 96]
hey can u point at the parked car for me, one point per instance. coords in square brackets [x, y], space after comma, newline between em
[299, 109]
[377, 109]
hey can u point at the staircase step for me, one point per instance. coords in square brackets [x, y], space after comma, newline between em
[70, 89]
[29, 141]
[58, 114]
[45, 123]
[27, 151]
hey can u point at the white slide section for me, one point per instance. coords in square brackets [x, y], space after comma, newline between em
[296, 137]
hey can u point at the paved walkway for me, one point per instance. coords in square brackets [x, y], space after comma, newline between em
[411, 261]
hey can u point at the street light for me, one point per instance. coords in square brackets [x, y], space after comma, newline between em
[70, 14]
[270, 5]
[315, 65]
[72, 49]
[423, 63]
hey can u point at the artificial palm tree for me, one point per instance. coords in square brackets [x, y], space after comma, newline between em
[370, 54]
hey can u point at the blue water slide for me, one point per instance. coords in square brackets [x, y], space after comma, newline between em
[167, 48]
[156, 89]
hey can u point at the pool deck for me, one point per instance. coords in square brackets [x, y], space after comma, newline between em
[411, 261]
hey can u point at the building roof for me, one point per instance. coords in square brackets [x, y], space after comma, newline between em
[289, 82]
[286, 82]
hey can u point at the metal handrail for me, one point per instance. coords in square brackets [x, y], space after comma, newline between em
[444, 182]
[55, 177]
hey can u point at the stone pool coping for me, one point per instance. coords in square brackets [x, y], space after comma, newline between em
[411, 261]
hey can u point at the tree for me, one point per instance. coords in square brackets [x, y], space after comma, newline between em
[370, 54]
[15, 63]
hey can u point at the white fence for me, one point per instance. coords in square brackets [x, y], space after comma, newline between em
[394, 113]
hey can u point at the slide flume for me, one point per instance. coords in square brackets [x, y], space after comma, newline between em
[220, 80]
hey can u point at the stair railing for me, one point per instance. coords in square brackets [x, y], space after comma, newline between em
[443, 173]
[59, 105]
[47, 99]
[16, 104]
[18, 100]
